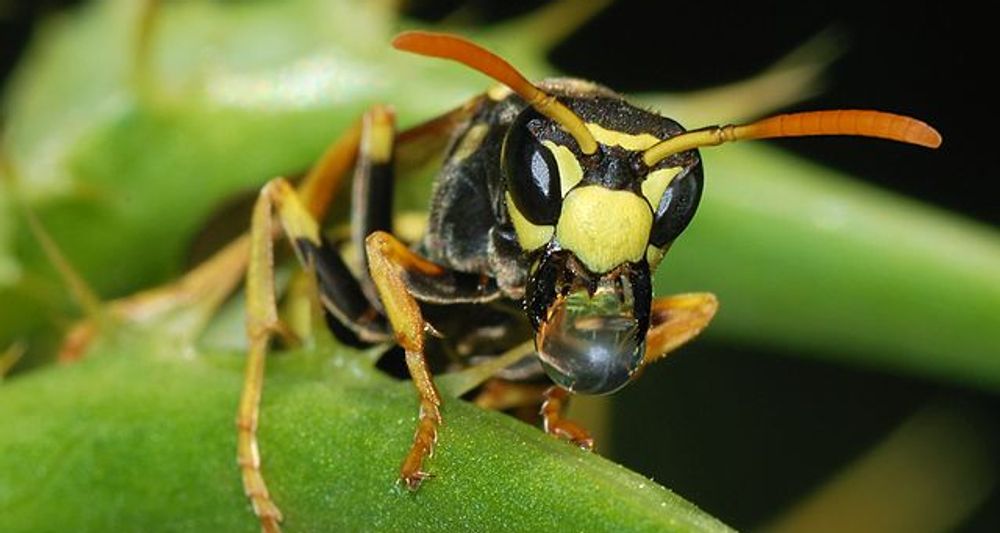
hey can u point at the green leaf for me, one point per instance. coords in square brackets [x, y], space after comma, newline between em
[142, 442]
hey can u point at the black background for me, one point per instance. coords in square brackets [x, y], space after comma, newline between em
[927, 61]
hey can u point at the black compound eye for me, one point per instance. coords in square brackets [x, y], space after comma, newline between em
[531, 173]
[677, 206]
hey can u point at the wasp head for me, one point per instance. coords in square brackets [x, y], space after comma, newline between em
[597, 224]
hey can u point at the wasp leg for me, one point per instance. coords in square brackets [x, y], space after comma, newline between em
[554, 423]
[675, 320]
[262, 322]
[353, 302]
[371, 200]
[339, 292]
[500, 394]
[356, 320]
[389, 261]
[522, 398]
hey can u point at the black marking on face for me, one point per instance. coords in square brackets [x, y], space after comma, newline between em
[542, 287]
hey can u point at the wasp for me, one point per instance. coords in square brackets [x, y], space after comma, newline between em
[554, 205]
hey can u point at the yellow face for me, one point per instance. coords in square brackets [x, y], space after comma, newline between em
[603, 227]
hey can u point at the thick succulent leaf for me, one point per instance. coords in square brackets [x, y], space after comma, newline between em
[147, 442]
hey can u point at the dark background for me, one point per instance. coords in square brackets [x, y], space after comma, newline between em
[926, 61]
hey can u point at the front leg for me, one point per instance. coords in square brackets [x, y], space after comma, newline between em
[388, 259]
[674, 320]
[499, 394]
[552, 409]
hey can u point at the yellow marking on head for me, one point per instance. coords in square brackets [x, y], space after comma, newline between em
[529, 235]
[627, 141]
[470, 142]
[656, 182]
[654, 255]
[570, 172]
[498, 92]
[574, 86]
[604, 228]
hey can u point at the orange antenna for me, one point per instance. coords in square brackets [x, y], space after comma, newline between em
[837, 122]
[476, 57]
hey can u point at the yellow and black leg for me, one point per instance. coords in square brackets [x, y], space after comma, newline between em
[373, 190]
[401, 276]
[352, 303]
[357, 315]
[340, 292]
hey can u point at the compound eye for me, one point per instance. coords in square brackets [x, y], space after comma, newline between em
[677, 206]
[530, 171]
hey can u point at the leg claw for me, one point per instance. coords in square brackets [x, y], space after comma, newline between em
[586, 444]
[412, 481]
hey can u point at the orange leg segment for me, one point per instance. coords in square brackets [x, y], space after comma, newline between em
[388, 258]
[499, 394]
[675, 320]
[554, 423]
